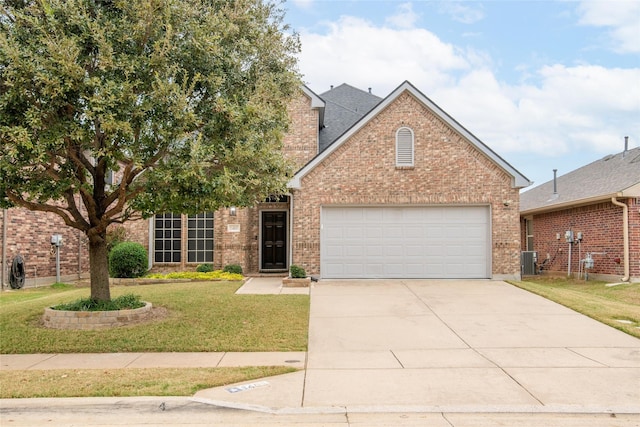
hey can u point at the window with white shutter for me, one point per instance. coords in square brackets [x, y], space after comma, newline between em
[404, 147]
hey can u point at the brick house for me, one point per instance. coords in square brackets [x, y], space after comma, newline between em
[389, 187]
[587, 223]
[385, 188]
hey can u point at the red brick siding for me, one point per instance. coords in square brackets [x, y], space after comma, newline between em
[601, 227]
[448, 170]
[301, 141]
[634, 237]
[29, 234]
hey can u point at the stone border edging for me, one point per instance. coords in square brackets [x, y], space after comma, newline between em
[89, 320]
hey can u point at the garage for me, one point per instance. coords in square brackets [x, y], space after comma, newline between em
[405, 242]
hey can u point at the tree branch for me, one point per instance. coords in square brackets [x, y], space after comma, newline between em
[43, 207]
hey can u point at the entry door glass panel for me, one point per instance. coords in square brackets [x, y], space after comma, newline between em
[274, 241]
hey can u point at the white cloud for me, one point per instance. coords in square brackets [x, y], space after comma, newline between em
[622, 17]
[354, 50]
[462, 12]
[405, 17]
[571, 109]
[559, 114]
[303, 4]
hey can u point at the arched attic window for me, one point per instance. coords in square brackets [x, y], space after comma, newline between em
[404, 147]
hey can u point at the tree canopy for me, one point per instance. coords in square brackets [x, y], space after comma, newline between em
[185, 101]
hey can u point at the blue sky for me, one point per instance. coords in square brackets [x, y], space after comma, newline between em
[545, 84]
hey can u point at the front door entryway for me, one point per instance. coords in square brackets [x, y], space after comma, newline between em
[274, 241]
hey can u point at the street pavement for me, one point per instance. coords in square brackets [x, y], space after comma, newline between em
[391, 352]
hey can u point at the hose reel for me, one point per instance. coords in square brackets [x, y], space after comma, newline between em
[17, 273]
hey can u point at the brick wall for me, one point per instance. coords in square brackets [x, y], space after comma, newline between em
[448, 170]
[634, 237]
[29, 234]
[301, 141]
[601, 227]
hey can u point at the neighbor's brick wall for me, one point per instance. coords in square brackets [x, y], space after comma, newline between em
[301, 141]
[634, 237]
[29, 234]
[601, 226]
[448, 170]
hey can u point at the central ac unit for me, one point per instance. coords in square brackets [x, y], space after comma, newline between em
[528, 261]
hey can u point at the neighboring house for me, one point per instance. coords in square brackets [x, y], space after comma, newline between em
[590, 216]
[385, 188]
[28, 234]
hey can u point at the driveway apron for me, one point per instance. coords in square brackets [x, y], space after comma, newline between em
[472, 345]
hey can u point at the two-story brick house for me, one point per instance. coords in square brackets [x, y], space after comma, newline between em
[388, 187]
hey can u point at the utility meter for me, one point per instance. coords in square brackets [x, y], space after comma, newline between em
[568, 236]
[56, 240]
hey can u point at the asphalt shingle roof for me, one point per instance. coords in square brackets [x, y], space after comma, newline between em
[345, 105]
[602, 178]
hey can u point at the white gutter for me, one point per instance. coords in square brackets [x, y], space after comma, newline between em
[625, 236]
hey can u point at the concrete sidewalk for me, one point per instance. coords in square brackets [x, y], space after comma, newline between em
[149, 360]
[448, 346]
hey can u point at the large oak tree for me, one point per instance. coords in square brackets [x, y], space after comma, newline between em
[184, 99]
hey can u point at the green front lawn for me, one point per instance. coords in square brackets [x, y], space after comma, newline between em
[617, 306]
[195, 316]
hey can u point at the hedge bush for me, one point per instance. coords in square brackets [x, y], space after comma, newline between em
[194, 275]
[232, 268]
[128, 260]
[204, 268]
[297, 272]
[123, 302]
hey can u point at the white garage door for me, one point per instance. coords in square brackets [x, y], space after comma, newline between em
[405, 242]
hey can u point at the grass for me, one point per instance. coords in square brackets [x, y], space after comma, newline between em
[608, 305]
[200, 316]
[125, 382]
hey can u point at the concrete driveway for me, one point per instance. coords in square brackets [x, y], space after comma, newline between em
[457, 346]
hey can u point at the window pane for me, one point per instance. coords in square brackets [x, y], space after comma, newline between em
[200, 237]
[167, 238]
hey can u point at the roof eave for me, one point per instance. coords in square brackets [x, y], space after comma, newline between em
[572, 204]
[633, 191]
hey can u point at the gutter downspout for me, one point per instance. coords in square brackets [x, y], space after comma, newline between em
[291, 229]
[4, 247]
[625, 236]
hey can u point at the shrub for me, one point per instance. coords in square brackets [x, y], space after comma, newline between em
[128, 260]
[194, 275]
[232, 268]
[124, 302]
[204, 268]
[297, 272]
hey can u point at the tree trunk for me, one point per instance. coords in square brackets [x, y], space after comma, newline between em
[99, 266]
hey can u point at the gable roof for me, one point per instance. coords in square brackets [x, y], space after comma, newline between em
[517, 179]
[345, 105]
[612, 176]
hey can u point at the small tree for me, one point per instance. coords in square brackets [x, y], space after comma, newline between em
[184, 100]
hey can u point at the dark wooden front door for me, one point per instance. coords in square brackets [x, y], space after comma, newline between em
[274, 241]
